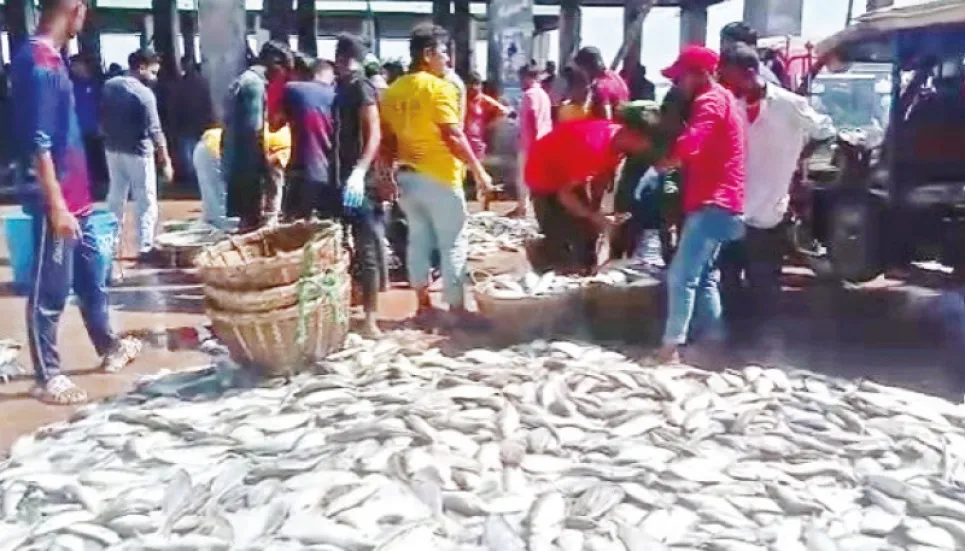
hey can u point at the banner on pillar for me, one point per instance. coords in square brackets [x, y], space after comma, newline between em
[223, 36]
[511, 31]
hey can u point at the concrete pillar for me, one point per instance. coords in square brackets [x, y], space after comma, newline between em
[147, 31]
[570, 23]
[89, 40]
[370, 31]
[166, 23]
[774, 17]
[462, 36]
[441, 14]
[307, 24]
[20, 17]
[541, 48]
[693, 25]
[276, 17]
[189, 30]
[879, 4]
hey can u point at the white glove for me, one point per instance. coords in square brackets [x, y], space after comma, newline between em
[646, 181]
[354, 195]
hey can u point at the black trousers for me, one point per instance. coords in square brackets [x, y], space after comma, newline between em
[96, 165]
[570, 241]
[304, 198]
[751, 275]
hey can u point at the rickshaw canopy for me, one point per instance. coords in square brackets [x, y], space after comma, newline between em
[899, 35]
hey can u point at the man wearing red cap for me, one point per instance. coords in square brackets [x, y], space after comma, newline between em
[711, 154]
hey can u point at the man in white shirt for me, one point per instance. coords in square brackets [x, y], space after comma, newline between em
[782, 129]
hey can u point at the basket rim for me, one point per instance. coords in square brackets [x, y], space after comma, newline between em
[210, 250]
[341, 269]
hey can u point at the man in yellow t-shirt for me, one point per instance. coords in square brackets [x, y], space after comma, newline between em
[422, 133]
[207, 166]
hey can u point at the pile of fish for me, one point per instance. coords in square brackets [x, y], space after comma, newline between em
[489, 232]
[546, 446]
[531, 284]
[528, 285]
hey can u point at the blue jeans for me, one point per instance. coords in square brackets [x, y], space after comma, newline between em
[436, 216]
[692, 281]
[60, 265]
[211, 183]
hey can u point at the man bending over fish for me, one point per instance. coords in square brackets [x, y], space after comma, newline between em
[562, 170]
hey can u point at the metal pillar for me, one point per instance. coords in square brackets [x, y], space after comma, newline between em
[166, 23]
[89, 40]
[541, 48]
[570, 23]
[21, 19]
[189, 30]
[307, 25]
[462, 36]
[693, 25]
[276, 18]
[774, 17]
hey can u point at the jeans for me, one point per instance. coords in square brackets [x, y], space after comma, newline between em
[365, 222]
[751, 273]
[136, 175]
[692, 281]
[570, 241]
[59, 265]
[214, 191]
[436, 216]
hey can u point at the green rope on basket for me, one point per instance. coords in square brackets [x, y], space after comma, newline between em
[310, 289]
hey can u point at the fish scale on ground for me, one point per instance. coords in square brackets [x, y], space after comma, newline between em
[390, 447]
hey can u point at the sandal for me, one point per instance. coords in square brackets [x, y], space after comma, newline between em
[59, 391]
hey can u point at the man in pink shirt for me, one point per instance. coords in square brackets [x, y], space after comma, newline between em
[535, 121]
[711, 152]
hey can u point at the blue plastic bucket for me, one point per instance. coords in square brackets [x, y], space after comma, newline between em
[18, 228]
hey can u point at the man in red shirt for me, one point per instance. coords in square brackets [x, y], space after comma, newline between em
[561, 171]
[711, 153]
[481, 112]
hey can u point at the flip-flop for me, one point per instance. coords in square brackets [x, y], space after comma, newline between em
[59, 391]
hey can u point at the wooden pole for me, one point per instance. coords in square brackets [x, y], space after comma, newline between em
[166, 23]
[276, 17]
[89, 40]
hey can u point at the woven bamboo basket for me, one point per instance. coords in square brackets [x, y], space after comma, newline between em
[263, 300]
[527, 317]
[284, 341]
[632, 312]
[269, 257]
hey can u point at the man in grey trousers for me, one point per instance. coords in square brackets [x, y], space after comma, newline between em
[134, 143]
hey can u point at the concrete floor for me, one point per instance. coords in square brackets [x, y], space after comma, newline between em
[876, 331]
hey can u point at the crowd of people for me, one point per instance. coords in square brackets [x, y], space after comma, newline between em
[348, 139]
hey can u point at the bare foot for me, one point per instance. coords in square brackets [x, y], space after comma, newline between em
[370, 329]
[669, 355]
[519, 212]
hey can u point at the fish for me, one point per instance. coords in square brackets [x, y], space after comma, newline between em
[392, 444]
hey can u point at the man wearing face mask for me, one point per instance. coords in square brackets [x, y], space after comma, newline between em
[134, 142]
[422, 132]
[711, 151]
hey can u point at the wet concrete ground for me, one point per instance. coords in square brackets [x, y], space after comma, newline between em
[877, 331]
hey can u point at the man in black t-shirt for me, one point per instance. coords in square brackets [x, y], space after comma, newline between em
[357, 136]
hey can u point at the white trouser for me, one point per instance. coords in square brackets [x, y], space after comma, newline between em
[136, 175]
[214, 193]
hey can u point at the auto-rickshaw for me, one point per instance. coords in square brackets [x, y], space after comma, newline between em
[885, 201]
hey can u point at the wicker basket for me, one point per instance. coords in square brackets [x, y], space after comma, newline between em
[632, 312]
[272, 340]
[265, 300]
[527, 317]
[269, 257]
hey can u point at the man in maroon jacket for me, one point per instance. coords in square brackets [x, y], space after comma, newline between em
[711, 154]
